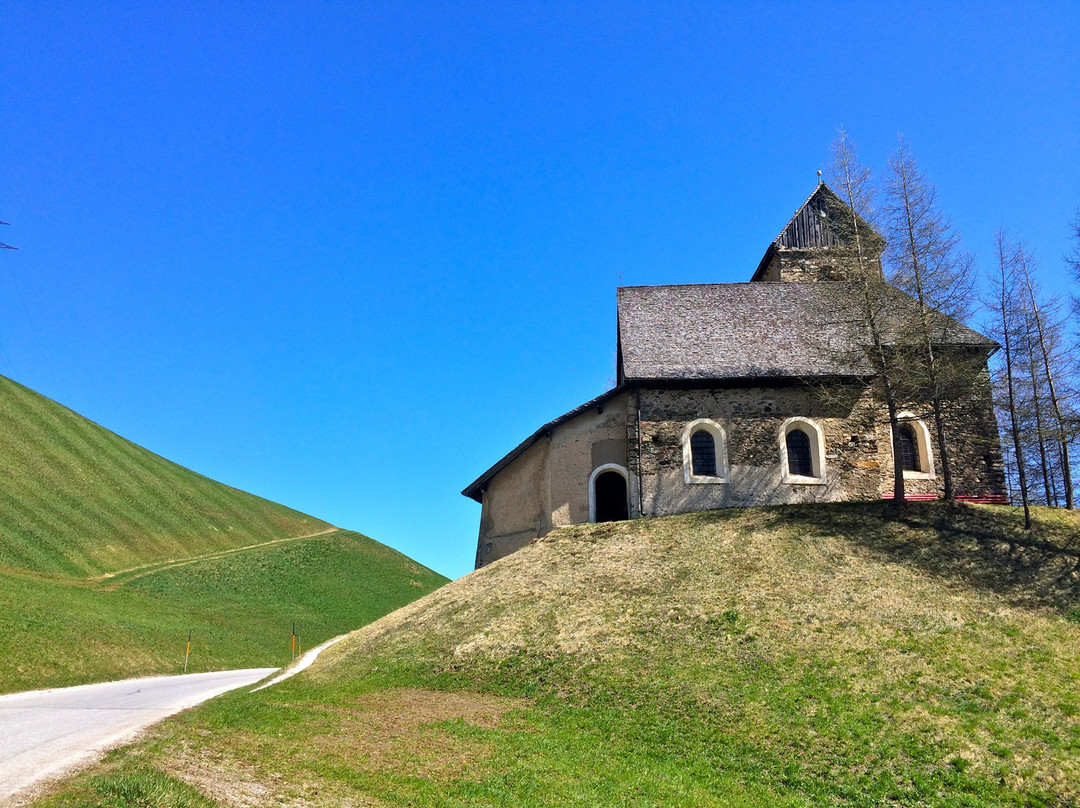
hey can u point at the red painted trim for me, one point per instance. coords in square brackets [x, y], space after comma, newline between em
[987, 499]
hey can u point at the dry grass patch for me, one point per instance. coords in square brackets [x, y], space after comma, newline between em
[960, 647]
[405, 731]
[409, 732]
[224, 779]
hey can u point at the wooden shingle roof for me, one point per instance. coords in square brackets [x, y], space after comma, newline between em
[753, 330]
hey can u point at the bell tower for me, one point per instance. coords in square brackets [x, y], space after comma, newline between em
[821, 242]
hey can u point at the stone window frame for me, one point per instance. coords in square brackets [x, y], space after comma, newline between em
[592, 488]
[817, 451]
[719, 446]
[922, 445]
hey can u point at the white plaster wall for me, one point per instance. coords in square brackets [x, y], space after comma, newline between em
[514, 511]
[579, 446]
[547, 486]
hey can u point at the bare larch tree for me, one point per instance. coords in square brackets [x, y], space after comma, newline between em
[926, 261]
[1044, 335]
[1004, 306]
[852, 182]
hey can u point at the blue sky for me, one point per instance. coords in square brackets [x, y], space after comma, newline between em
[347, 255]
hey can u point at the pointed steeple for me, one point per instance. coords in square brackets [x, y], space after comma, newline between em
[817, 243]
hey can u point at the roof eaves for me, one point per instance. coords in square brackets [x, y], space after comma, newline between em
[747, 380]
[475, 489]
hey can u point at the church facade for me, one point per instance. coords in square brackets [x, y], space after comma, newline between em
[739, 394]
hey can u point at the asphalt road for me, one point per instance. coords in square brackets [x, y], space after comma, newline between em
[45, 733]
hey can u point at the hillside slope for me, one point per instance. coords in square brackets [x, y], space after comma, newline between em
[79, 500]
[803, 655]
[240, 609]
[111, 555]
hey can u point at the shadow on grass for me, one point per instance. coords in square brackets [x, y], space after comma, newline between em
[983, 546]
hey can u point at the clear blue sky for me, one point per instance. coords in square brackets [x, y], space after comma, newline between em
[347, 255]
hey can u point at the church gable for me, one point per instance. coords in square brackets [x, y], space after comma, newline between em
[819, 242]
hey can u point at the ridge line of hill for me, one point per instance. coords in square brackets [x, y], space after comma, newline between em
[81, 501]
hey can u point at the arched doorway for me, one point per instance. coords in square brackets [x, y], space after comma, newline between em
[608, 494]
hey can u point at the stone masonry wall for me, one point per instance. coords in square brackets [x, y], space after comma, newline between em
[858, 446]
[809, 266]
[752, 418]
[974, 445]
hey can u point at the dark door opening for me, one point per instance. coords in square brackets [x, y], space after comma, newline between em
[609, 489]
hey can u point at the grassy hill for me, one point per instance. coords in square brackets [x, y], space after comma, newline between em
[239, 606]
[79, 500]
[110, 555]
[796, 656]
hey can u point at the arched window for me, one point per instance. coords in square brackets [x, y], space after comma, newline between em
[802, 452]
[913, 448]
[799, 460]
[907, 446]
[704, 452]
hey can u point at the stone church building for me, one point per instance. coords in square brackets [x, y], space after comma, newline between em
[741, 394]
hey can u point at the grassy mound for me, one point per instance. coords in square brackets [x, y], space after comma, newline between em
[81, 501]
[796, 656]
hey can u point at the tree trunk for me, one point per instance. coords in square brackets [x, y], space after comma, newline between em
[1004, 311]
[943, 452]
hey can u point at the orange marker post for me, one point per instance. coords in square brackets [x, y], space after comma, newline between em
[187, 651]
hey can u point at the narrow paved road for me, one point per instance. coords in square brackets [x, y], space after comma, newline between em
[45, 733]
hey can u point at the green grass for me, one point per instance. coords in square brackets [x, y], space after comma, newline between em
[798, 656]
[110, 555]
[239, 607]
[142, 790]
[80, 501]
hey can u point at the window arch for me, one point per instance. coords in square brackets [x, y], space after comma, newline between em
[802, 452]
[704, 448]
[913, 446]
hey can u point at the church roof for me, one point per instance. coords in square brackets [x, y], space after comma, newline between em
[757, 329]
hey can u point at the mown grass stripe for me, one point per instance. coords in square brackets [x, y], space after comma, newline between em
[80, 500]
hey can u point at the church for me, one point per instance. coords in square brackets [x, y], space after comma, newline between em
[740, 394]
